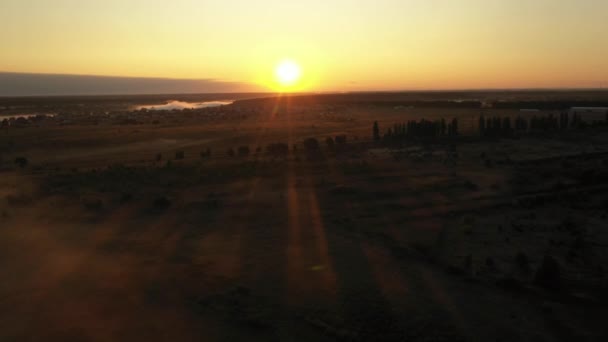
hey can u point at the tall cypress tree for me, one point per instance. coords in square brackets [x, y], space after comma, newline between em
[376, 131]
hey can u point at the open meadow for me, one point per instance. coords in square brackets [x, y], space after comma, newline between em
[291, 218]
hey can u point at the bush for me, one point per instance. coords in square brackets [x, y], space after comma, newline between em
[548, 274]
[311, 145]
[278, 149]
[329, 141]
[522, 262]
[21, 162]
[243, 151]
[126, 197]
[162, 203]
[205, 154]
[93, 204]
[18, 199]
[340, 139]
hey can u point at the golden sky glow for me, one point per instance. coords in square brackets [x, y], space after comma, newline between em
[340, 45]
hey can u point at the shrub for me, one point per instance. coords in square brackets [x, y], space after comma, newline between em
[206, 154]
[93, 204]
[329, 141]
[311, 145]
[522, 262]
[126, 197]
[278, 149]
[548, 274]
[340, 139]
[162, 203]
[243, 151]
[21, 162]
[18, 199]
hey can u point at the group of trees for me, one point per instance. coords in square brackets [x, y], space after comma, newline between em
[490, 127]
[422, 129]
[310, 146]
[502, 127]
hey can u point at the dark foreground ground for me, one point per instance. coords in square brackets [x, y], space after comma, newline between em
[108, 234]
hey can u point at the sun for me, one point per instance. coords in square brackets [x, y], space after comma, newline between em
[288, 73]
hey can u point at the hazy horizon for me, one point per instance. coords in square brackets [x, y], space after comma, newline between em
[339, 46]
[23, 84]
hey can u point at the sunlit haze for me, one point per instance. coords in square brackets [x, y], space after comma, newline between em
[340, 45]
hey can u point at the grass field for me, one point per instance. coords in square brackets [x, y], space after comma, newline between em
[108, 233]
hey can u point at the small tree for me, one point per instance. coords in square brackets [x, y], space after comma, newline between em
[376, 132]
[243, 151]
[311, 145]
[329, 141]
[278, 149]
[21, 162]
[548, 274]
[340, 139]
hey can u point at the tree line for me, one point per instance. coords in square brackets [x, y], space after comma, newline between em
[487, 127]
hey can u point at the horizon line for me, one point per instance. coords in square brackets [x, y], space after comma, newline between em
[310, 92]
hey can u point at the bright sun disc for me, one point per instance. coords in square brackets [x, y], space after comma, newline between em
[288, 73]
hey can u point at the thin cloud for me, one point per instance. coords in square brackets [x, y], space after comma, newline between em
[29, 84]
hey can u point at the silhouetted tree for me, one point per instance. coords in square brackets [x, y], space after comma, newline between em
[548, 274]
[21, 162]
[340, 140]
[329, 141]
[376, 131]
[243, 151]
[278, 149]
[311, 145]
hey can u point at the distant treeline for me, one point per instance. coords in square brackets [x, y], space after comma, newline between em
[548, 105]
[550, 100]
[487, 127]
[423, 129]
[392, 100]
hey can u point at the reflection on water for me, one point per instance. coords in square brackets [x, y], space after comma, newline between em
[185, 105]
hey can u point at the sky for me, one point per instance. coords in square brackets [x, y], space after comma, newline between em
[340, 45]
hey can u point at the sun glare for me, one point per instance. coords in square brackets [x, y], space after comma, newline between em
[288, 73]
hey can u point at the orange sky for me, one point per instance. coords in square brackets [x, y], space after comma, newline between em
[340, 45]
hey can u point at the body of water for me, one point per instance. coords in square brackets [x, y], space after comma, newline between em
[185, 105]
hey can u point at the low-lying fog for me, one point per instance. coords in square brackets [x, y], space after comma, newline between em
[185, 105]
